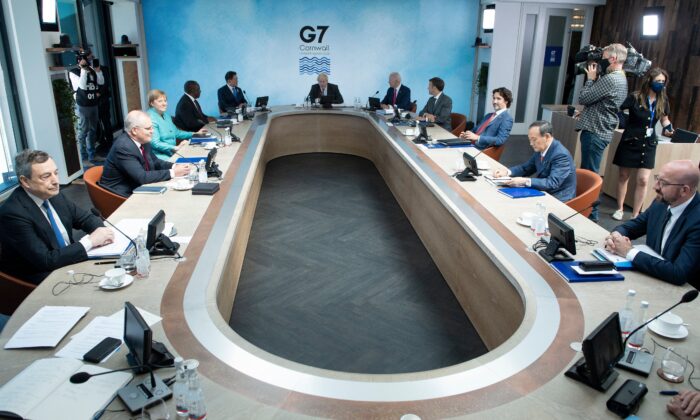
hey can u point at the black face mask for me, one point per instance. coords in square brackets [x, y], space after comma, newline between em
[604, 64]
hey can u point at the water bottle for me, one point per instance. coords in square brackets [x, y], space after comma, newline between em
[227, 136]
[627, 314]
[143, 259]
[180, 388]
[196, 409]
[194, 177]
[202, 171]
[637, 339]
[240, 114]
[539, 225]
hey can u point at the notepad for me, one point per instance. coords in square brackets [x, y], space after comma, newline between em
[516, 192]
[564, 269]
[43, 391]
[146, 189]
[46, 327]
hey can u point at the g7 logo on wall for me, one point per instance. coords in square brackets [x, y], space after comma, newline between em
[308, 33]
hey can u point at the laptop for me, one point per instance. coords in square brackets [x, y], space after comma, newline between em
[684, 136]
[261, 102]
[374, 103]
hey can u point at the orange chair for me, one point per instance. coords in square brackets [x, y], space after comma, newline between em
[588, 185]
[105, 201]
[495, 152]
[459, 123]
[13, 292]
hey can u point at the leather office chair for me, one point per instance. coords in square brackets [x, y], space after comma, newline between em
[495, 152]
[459, 123]
[13, 292]
[588, 185]
[105, 201]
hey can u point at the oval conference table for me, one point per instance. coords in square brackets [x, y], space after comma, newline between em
[525, 313]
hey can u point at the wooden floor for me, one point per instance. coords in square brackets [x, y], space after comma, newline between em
[335, 276]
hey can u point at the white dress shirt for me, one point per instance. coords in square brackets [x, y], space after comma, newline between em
[84, 241]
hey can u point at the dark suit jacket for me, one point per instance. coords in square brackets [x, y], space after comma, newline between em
[496, 133]
[188, 117]
[682, 250]
[333, 93]
[403, 99]
[556, 174]
[442, 111]
[29, 247]
[124, 170]
[227, 100]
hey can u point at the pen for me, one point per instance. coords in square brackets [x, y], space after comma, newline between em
[669, 392]
[105, 262]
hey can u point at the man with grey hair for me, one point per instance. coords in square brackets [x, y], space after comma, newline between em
[602, 94]
[551, 166]
[397, 94]
[38, 221]
[131, 162]
[323, 88]
[671, 225]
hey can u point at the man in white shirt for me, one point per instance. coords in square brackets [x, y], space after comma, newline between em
[86, 82]
[671, 225]
[38, 221]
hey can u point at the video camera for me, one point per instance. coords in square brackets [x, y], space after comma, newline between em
[82, 55]
[635, 63]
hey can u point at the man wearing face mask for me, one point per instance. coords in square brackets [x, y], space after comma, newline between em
[86, 82]
[602, 96]
[671, 225]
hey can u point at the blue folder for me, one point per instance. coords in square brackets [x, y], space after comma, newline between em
[517, 192]
[565, 270]
[199, 140]
[191, 159]
[444, 146]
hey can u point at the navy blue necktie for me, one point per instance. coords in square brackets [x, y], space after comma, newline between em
[235, 94]
[54, 225]
[663, 228]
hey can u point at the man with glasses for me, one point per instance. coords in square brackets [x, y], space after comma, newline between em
[671, 225]
[131, 162]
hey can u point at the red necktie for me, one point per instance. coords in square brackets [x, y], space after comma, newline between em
[396, 93]
[485, 124]
[145, 159]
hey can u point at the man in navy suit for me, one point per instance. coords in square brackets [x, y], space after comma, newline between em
[323, 88]
[551, 166]
[495, 127]
[438, 109]
[397, 94]
[230, 95]
[131, 162]
[188, 113]
[37, 222]
[671, 225]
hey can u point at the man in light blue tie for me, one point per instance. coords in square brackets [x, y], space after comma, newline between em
[230, 95]
[38, 221]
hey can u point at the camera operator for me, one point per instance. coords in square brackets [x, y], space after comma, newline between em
[602, 96]
[86, 82]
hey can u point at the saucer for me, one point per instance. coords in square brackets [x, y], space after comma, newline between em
[522, 222]
[681, 333]
[187, 188]
[127, 281]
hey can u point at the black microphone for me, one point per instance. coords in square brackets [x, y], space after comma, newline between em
[97, 213]
[82, 377]
[593, 204]
[221, 138]
[689, 296]
[245, 97]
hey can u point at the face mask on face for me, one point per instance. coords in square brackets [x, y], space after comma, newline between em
[604, 64]
[657, 86]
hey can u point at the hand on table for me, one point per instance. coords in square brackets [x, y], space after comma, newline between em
[468, 135]
[500, 173]
[101, 236]
[618, 244]
[181, 170]
[685, 405]
[202, 131]
[517, 182]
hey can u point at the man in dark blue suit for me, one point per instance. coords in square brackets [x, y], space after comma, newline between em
[37, 222]
[672, 227]
[551, 166]
[495, 127]
[230, 95]
[131, 162]
[397, 94]
[438, 109]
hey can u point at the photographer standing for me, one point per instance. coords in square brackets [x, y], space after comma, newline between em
[602, 97]
[86, 82]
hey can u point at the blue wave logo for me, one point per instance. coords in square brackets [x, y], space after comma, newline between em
[314, 65]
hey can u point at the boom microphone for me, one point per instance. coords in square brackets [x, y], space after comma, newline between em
[689, 296]
[97, 213]
[593, 204]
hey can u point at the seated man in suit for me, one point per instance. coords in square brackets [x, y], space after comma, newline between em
[438, 110]
[38, 221]
[323, 88]
[671, 225]
[495, 128]
[551, 166]
[131, 162]
[188, 114]
[230, 95]
[397, 94]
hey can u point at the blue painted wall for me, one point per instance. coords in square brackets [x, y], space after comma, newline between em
[260, 40]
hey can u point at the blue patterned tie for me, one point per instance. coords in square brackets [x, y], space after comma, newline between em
[54, 225]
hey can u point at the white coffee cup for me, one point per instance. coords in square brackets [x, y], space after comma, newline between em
[182, 183]
[527, 217]
[115, 277]
[669, 323]
[209, 145]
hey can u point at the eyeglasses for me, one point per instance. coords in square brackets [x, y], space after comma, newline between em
[663, 183]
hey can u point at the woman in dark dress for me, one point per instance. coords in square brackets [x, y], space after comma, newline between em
[637, 149]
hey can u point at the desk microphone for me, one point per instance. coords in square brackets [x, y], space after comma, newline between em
[593, 204]
[82, 377]
[245, 96]
[97, 213]
[637, 361]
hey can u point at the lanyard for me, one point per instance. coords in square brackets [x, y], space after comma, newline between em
[652, 109]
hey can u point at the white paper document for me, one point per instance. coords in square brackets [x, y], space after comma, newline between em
[97, 330]
[47, 327]
[151, 319]
[132, 228]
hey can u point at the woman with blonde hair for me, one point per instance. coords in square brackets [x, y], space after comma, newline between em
[165, 133]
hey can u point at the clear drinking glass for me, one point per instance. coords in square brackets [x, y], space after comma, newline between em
[127, 261]
[673, 366]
